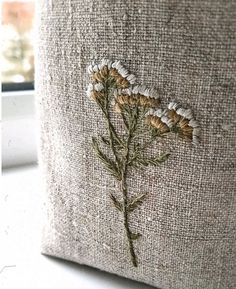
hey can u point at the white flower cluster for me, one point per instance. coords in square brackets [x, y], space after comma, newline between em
[185, 113]
[89, 90]
[139, 89]
[92, 68]
[162, 115]
[91, 87]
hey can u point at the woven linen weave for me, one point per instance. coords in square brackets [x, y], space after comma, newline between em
[187, 50]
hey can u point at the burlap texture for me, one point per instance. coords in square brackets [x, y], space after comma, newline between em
[186, 49]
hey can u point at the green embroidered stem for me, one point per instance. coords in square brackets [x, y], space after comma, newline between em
[124, 120]
[143, 134]
[123, 167]
[113, 132]
[125, 202]
[104, 106]
[111, 128]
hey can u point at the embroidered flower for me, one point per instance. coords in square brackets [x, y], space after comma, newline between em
[158, 120]
[113, 70]
[138, 95]
[183, 123]
[95, 91]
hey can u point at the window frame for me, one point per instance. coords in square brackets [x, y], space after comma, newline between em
[15, 86]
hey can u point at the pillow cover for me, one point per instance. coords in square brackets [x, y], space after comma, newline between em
[137, 112]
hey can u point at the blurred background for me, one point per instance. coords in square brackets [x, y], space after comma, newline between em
[17, 44]
[19, 129]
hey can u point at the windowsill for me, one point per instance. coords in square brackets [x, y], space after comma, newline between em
[19, 128]
[20, 250]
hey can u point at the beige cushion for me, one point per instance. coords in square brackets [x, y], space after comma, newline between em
[186, 49]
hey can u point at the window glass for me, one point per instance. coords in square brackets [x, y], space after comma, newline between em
[17, 42]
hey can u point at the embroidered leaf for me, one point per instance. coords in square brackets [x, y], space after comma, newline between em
[135, 202]
[134, 120]
[118, 145]
[164, 157]
[116, 203]
[135, 236]
[108, 163]
[105, 140]
[156, 161]
[116, 139]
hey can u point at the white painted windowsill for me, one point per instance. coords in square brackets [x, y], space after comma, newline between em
[19, 129]
[21, 264]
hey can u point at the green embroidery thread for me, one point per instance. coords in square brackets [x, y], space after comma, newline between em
[113, 88]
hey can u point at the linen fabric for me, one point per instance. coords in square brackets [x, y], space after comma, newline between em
[187, 50]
